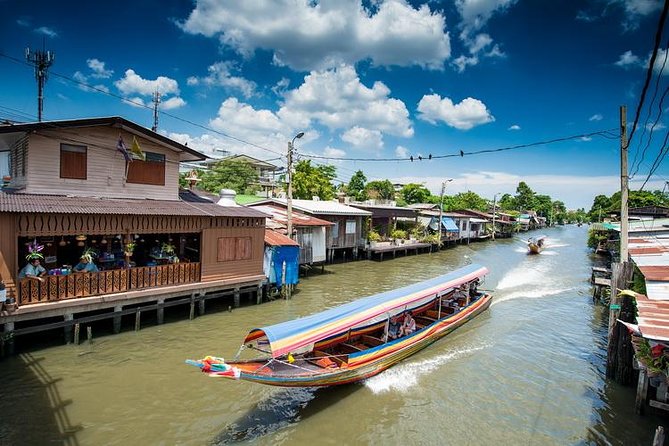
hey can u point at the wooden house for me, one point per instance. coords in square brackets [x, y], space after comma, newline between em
[72, 188]
[384, 218]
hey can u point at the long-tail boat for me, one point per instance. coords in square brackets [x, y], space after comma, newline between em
[536, 244]
[353, 341]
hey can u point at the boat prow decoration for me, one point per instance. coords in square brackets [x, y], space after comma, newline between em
[359, 339]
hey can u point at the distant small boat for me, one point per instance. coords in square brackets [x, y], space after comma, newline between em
[359, 339]
[536, 244]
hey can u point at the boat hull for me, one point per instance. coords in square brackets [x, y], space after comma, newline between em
[533, 248]
[367, 363]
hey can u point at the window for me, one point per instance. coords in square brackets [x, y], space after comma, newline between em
[151, 171]
[350, 226]
[17, 158]
[234, 248]
[73, 161]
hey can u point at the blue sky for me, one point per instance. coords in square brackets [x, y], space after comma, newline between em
[380, 79]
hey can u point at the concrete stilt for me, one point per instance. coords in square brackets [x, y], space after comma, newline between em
[89, 334]
[160, 312]
[138, 319]
[117, 319]
[76, 334]
[67, 331]
[201, 306]
[236, 297]
[191, 315]
[259, 295]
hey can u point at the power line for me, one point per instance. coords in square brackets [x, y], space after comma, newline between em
[603, 133]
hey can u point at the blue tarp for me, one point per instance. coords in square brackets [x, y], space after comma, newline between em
[447, 223]
[290, 255]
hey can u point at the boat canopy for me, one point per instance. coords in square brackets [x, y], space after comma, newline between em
[300, 334]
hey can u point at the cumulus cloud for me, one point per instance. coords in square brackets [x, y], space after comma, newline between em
[220, 75]
[628, 59]
[334, 153]
[135, 102]
[308, 35]
[85, 85]
[172, 103]
[338, 99]
[514, 127]
[596, 117]
[99, 71]
[661, 62]
[633, 11]
[465, 115]
[132, 83]
[462, 62]
[362, 138]
[402, 152]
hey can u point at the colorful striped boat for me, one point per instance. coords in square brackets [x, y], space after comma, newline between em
[353, 341]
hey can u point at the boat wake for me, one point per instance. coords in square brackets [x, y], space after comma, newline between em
[529, 293]
[522, 277]
[406, 375]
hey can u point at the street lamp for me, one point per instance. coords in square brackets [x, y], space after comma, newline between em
[441, 206]
[494, 213]
[289, 198]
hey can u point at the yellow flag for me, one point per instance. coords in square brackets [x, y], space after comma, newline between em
[290, 359]
[136, 150]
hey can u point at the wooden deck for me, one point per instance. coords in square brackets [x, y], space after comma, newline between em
[381, 251]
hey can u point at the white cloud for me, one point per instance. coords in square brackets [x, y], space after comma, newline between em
[135, 102]
[337, 99]
[462, 62]
[281, 86]
[465, 115]
[628, 59]
[307, 35]
[99, 70]
[241, 119]
[172, 103]
[133, 83]
[585, 138]
[596, 117]
[220, 74]
[83, 79]
[654, 127]
[476, 13]
[514, 127]
[362, 138]
[661, 62]
[334, 153]
[23, 22]
[46, 31]
[402, 152]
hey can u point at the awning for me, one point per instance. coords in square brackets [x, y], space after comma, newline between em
[447, 223]
[479, 220]
[291, 336]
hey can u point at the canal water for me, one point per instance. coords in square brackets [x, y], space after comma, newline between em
[530, 370]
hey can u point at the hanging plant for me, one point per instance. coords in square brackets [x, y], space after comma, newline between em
[129, 248]
[34, 251]
[89, 254]
[168, 249]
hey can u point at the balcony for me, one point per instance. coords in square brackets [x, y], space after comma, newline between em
[78, 285]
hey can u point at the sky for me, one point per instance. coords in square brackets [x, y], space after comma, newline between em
[373, 80]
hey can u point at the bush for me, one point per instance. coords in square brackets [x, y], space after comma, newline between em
[398, 234]
[374, 236]
[595, 237]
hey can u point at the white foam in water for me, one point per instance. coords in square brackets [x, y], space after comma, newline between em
[406, 375]
[522, 275]
[529, 293]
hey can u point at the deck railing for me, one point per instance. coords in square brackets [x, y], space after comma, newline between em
[76, 285]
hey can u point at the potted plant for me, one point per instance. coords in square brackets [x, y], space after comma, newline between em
[129, 249]
[399, 234]
[373, 237]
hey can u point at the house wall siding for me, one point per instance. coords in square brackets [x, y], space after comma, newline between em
[8, 250]
[105, 165]
[213, 269]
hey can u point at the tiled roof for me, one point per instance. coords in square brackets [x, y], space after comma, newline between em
[59, 204]
[273, 238]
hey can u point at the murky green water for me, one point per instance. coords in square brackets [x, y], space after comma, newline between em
[528, 371]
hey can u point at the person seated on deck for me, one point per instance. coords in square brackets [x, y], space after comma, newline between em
[393, 330]
[409, 324]
[86, 265]
[33, 269]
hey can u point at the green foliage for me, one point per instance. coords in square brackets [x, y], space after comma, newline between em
[356, 186]
[600, 206]
[431, 238]
[310, 181]
[414, 193]
[382, 190]
[398, 234]
[374, 236]
[418, 230]
[465, 200]
[507, 203]
[595, 237]
[238, 175]
[525, 197]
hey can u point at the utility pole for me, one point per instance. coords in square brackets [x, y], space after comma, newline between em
[624, 223]
[42, 60]
[441, 206]
[289, 196]
[494, 214]
[156, 101]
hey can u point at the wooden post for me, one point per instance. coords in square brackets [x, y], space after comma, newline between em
[624, 256]
[117, 319]
[201, 306]
[76, 334]
[89, 333]
[68, 328]
[138, 318]
[191, 315]
[641, 392]
[8, 338]
[620, 354]
[160, 311]
[659, 436]
[259, 295]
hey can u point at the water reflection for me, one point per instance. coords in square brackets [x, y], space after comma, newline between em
[280, 409]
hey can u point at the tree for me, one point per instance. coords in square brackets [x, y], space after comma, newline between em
[507, 203]
[356, 187]
[238, 175]
[382, 190]
[543, 204]
[310, 181]
[466, 200]
[524, 197]
[600, 205]
[414, 193]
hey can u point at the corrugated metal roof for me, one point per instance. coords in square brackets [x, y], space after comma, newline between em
[273, 238]
[280, 215]
[653, 318]
[323, 207]
[59, 204]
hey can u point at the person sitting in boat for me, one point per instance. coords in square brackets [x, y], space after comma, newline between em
[473, 289]
[394, 327]
[409, 324]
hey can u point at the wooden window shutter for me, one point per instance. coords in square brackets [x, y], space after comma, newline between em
[73, 161]
[243, 248]
[151, 171]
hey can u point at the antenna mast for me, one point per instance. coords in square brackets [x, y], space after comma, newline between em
[156, 101]
[42, 60]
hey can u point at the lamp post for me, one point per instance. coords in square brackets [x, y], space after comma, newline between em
[441, 206]
[289, 197]
[494, 213]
